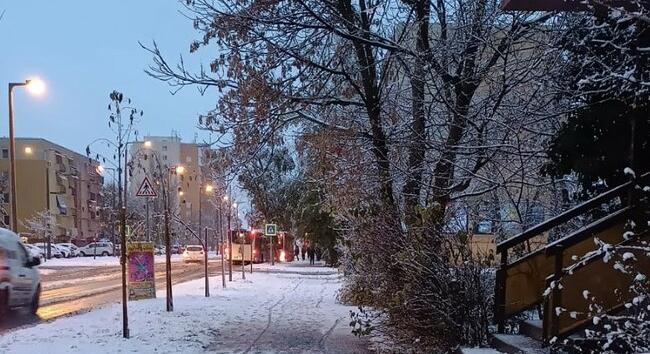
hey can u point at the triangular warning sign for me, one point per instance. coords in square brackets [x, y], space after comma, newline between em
[146, 189]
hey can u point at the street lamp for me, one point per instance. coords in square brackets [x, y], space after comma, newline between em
[208, 189]
[36, 87]
[168, 260]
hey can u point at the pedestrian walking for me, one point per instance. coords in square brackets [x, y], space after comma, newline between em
[302, 252]
[296, 253]
[312, 255]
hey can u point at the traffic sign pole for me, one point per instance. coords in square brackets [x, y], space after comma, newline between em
[271, 230]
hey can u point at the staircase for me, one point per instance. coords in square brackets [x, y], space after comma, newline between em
[526, 272]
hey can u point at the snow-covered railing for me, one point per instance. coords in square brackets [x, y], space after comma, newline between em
[521, 283]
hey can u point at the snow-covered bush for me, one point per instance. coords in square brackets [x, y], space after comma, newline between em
[427, 301]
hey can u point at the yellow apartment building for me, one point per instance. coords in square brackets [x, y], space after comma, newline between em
[52, 177]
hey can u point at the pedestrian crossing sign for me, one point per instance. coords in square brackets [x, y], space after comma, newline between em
[146, 189]
[270, 229]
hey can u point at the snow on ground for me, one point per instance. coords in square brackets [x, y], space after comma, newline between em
[107, 261]
[46, 271]
[300, 267]
[267, 313]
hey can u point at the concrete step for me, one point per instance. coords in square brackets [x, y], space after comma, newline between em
[477, 351]
[517, 343]
[532, 329]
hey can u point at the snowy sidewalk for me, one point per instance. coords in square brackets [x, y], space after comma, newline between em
[267, 313]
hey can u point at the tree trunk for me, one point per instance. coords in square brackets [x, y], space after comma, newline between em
[417, 150]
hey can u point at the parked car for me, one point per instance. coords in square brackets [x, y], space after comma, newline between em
[65, 252]
[20, 282]
[193, 253]
[74, 250]
[177, 249]
[159, 250]
[35, 251]
[55, 252]
[97, 248]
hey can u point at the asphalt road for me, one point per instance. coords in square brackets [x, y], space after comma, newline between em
[70, 290]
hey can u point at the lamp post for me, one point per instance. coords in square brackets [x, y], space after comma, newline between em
[229, 235]
[208, 189]
[178, 170]
[242, 242]
[37, 87]
[223, 265]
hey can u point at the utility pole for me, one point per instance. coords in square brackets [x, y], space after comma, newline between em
[229, 244]
[205, 254]
[125, 313]
[223, 264]
[252, 241]
[147, 211]
[168, 248]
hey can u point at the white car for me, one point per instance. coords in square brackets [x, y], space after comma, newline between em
[193, 253]
[70, 249]
[20, 282]
[96, 249]
[55, 252]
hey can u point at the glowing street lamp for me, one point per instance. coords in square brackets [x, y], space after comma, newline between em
[147, 144]
[36, 87]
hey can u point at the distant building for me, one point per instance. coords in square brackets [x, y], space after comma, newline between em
[52, 177]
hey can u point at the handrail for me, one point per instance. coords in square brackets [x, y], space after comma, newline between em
[565, 216]
[588, 230]
[562, 271]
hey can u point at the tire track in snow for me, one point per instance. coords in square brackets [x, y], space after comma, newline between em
[268, 321]
[321, 342]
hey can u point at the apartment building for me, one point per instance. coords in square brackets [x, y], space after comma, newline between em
[52, 177]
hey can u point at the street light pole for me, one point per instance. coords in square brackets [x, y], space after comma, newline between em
[223, 265]
[229, 244]
[12, 158]
[205, 255]
[168, 247]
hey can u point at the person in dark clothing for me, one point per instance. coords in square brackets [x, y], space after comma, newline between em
[319, 253]
[312, 255]
[296, 253]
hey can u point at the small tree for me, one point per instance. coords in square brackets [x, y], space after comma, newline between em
[40, 225]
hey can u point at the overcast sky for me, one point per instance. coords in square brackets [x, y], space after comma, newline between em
[85, 49]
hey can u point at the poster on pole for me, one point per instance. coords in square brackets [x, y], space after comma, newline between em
[142, 276]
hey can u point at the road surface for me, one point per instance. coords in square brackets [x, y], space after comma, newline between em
[70, 290]
[282, 309]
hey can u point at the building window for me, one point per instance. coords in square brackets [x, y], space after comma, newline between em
[59, 159]
[164, 148]
[165, 157]
[5, 153]
[60, 203]
[188, 159]
[5, 197]
[92, 196]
